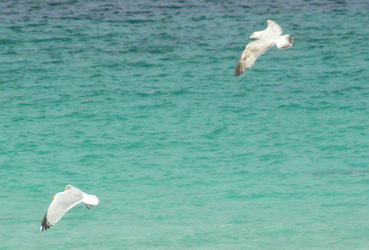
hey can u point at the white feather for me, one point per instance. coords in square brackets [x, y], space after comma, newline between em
[263, 41]
[65, 201]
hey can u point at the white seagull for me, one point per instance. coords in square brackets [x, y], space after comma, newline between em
[62, 202]
[263, 41]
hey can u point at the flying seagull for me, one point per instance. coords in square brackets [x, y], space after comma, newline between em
[262, 41]
[62, 202]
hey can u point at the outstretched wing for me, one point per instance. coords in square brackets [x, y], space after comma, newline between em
[61, 204]
[274, 28]
[270, 32]
[251, 53]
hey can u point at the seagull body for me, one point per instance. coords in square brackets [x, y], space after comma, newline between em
[64, 201]
[262, 41]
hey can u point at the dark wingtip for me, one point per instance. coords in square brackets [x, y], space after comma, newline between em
[238, 70]
[45, 224]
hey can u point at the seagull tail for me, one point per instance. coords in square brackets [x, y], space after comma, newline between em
[90, 200]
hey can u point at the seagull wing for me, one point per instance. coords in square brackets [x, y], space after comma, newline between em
[274, 28]
[251, 53]
[61, 204]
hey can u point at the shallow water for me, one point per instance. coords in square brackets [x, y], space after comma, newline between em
[136, 102]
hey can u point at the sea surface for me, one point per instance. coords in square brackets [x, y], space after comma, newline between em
[137, 103]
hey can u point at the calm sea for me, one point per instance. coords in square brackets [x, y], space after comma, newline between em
[136, 102]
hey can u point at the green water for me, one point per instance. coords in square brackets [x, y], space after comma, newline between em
[136, 102]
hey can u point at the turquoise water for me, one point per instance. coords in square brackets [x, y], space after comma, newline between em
[136, 102]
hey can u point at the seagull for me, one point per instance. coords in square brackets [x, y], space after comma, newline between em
[262, 41]
[62, 202]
